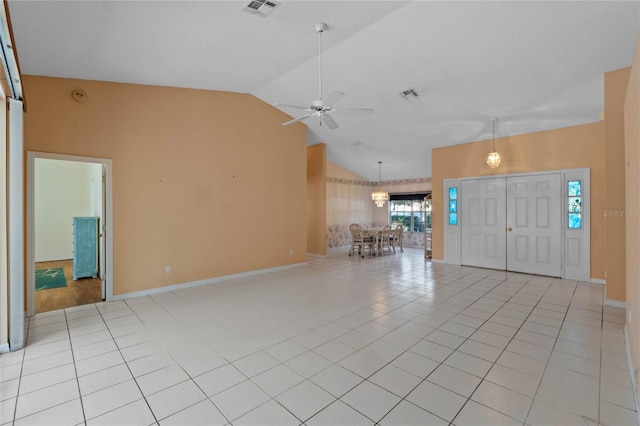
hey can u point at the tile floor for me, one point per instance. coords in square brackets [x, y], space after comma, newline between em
[394, 340]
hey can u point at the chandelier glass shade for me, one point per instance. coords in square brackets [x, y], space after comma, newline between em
[494, 158]
[379, 197]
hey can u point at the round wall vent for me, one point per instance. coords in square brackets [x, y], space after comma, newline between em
[79, 95]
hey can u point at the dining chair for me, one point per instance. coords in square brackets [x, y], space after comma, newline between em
[358, 239]
[386, 236]
[396, 238]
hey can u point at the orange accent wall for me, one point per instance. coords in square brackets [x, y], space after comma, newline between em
[316, 199]
[207, 182]
[566, 148]
[632, 178]
[615, 89]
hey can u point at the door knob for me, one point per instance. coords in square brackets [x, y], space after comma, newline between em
[509, 229]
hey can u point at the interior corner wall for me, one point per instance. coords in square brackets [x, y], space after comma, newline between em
[4, 259]
[197, 185]
[62, 190]
[615, 89]
[316, 199]
[632, 177]
[566, 148]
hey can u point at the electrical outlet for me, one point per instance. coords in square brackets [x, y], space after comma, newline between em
[290, 252]
[167, 269]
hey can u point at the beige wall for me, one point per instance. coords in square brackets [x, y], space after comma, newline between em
[632, 177]
[347, 202]
[567, 148]
[207, 182]
[615, 89]
[316, 199]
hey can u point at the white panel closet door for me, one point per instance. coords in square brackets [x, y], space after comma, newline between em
[534, 224]
[483, 222]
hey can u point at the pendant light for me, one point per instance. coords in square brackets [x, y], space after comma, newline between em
[379, 197]
[494, 159]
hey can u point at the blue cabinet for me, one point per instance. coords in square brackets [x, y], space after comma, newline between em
[85, 247]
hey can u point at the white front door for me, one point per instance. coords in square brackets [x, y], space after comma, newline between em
[534, 224]
[483, 223]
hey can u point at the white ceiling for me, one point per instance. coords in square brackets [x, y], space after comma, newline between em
[534, 65]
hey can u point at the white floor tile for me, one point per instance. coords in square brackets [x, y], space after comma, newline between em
[47, 378]
[220, 379]
[395, 380]
[408, 414]
[454, 380]
[305, 399]
[277, 380]
[474, 414]
[437, 400]
[176, 398]
[134, 414]
[46, 398]
[503, 400]
[339, 413]
[161, 379]
[415, 364]
[110, 398]
[362, 364]
[255, 363]
[203, 413]
[308, 364]
[239, 399]
[336, 380]
[371, 400]
[365, 322]
[269, 414]
[68, 413]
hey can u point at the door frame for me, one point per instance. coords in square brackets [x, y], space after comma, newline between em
[107, 227]
[452, 242]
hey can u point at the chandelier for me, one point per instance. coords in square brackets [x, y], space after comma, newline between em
[379, 197]
[493, 160]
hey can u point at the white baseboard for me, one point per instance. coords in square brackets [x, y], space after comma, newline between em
[174, 287]
[598, 281]
[615, 303]
[434, 260]
[634, 385]
[4, 348]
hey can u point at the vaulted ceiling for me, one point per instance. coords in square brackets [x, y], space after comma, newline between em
[534, 65]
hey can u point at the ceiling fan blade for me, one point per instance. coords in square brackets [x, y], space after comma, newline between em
[333, 98]
[330, 122]
[292, 106]
[295, 120]
[354, 111]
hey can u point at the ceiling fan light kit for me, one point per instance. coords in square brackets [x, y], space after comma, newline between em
[323, 109]
[494, 158]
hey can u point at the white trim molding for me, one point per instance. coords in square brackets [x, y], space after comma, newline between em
[4, 348]
[434, 260]
[632, 372]
[598, 281]
[107, 276]
[206, 281]
[615, 303]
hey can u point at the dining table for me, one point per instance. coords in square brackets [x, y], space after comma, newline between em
[376, 233]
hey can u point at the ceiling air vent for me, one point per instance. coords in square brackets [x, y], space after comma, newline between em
[409, 92]
[261, 7]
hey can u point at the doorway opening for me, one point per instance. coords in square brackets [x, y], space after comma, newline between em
[68, 246]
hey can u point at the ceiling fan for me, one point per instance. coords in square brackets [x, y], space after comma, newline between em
[324, 109]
